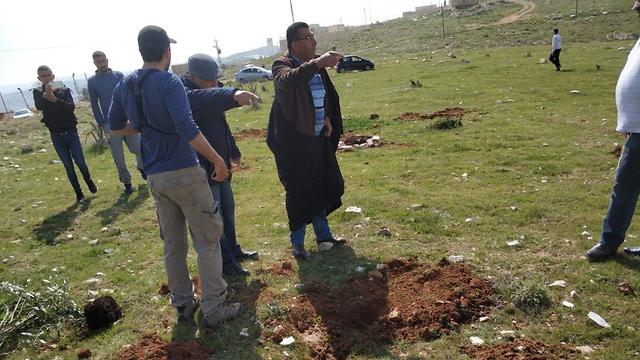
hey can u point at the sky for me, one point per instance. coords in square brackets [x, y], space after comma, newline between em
[62, 34]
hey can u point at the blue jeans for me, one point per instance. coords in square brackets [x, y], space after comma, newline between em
[320, 227]
[223, 194]
[69, 149]
[624, 195]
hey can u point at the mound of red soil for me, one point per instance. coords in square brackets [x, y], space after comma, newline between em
[521, 349]
[102, 312]
[448, 112]
[251, 134]
[152, 347]
[164, 288]
[283, 269]
[406, 300]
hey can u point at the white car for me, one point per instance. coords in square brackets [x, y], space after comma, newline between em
[253, 73]
[22, 113]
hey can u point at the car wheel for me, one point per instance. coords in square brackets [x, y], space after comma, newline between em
[242, 81]
[367, 68]
[342, 70]
[265, 78]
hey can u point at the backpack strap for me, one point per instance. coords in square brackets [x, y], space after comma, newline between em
[136, 88]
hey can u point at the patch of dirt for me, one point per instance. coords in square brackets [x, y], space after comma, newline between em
[350, 141]
[521, 349]
[454, 112]
[164, 288]
[408, 301]
[251, 134]
[152, 347]
[283, 269]
[102, 312]
[617, 151]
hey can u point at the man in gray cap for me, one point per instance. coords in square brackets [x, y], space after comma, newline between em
[208, 104]
[157, 107]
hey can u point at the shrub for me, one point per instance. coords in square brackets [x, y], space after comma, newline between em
[531, 298]
[446, 123]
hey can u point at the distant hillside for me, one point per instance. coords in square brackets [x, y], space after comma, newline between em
[473, 28]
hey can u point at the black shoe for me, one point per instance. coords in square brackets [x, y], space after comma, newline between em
[128, 189]
[632, 251]
[92, 186]
[247, 255]
[300, 253]
[80, 198]
[600, 253]
[235, 270]
[142, 173]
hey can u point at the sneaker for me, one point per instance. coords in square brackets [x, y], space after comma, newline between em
[128, 189]
[80, 198]
[225, 312]
[299, 252]
[247, 255]
[92, 186]
[632, 251]
[186, 311]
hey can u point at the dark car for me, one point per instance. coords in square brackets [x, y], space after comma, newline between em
[353, 62]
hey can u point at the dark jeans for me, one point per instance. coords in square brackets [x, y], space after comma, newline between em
[555, 58]
[223, 194]
[624, 195]
[69, 149]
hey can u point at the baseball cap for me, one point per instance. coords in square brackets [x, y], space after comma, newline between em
[152, 42]
[203, 66]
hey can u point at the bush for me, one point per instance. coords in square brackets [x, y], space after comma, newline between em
[531, 298]
[446, 123]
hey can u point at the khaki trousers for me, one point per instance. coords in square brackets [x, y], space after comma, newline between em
[183, 197]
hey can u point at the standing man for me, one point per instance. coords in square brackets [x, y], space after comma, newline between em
[305, 125]
[100, 91]
[208, 104]
[56, 103]
[156, 105]
[626, 186]
[556, 47]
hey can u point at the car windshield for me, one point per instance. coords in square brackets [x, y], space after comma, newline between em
[22, 112]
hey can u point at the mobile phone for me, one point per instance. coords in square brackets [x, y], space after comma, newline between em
[56, 85]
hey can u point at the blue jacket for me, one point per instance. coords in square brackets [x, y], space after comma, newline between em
[208, 107]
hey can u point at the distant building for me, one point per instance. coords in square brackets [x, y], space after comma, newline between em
[317, 29]
[179, 69]
[283, 45]
[420, 10]
[459, 4]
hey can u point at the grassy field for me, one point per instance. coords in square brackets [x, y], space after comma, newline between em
[537, 166]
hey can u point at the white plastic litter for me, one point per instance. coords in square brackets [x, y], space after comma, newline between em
[476, 341]
[353, 209]
[558, 283]
[598, 320]
[568, 304]
[287, 341]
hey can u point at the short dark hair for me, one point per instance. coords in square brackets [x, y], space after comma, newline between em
[43, 68]
[555, 31]
[98, 53]
[292, 32]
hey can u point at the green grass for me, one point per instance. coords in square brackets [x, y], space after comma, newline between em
[529, 143]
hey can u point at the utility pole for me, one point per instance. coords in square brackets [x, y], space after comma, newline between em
[218, 51]
[3, 103]
[365, 16]
[73, 76]
[291, 6]
[442, 13]
[24, 98]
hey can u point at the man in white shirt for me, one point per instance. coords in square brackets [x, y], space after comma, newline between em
[556, 47]
[626, 187]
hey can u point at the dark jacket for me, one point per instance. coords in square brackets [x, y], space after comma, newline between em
[57, 116]
[208, 107]
[307, 164]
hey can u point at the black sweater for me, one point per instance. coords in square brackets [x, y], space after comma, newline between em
[57, 116]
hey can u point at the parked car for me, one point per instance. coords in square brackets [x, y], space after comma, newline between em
[353, 62]
[22, 113]
[253, 73]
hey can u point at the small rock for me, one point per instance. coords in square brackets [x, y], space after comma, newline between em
[575, 91]
[568, 304]
[417, 207]
[69, 236]
[380, 267]
[244, 332]
[92, 281]
[359, 269]
[513, 243]
[476, 341]
[384, 232]
[455, 258]
[105, 229]
[353, 209]
[287, 341]
[585, 349]
[279, 333]
[93, 242]
[483, 319]
[574, 294]
[394, 314]
[558, 283]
